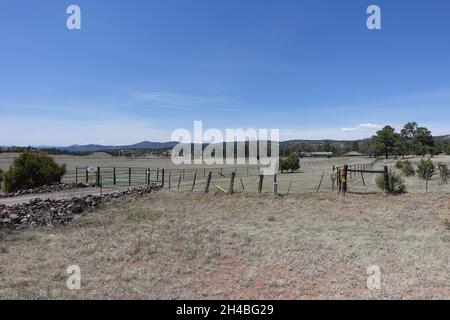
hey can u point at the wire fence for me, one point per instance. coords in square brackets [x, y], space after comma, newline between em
[313, 176]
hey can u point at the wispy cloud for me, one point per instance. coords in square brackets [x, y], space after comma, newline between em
[363, 127]
[176, 99]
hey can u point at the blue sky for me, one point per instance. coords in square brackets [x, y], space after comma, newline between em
[139, 69]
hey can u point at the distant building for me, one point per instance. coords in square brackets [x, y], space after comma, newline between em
[353, 154]
[315, 154]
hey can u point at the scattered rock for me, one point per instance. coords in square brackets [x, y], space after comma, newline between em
[51, 213]
[47, 189]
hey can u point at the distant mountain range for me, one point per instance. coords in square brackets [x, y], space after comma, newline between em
[147, 145]
[97, 148]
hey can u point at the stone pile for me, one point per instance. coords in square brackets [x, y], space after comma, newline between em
[47, 189]
[51, 213]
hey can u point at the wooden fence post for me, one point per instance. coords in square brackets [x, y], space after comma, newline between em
[162, 178]
[179, 181]
[193, 182]
[320, 183]
[345, 180]
[129, 177]
[338, 178]
[98, 176]
[208, 182]
[386, 180]
[260, 184]
[333, 178]
[87, 175]
[76, 175]
[114, 176]
[231, 187]
[170, 176]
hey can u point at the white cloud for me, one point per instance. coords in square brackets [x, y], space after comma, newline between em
[363, 127]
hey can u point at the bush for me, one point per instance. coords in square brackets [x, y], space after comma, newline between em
[396, 183]
[32, 170]
[426, 169]
[291, 163]
[283, 165]
[405, 167]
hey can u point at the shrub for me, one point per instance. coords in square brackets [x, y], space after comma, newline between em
[405, 167]
[396, 183]
[283, 165]
[31, 170]
[426, 169]
[291, 162]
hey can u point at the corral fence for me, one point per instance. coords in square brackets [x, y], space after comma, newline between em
[313, 176]
[345, 174]
[138, 176]
[119, 176]
[230, 179]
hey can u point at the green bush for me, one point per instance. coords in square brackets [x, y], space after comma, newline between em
[426, 169]
[396, 183]
[31, 170]
[290, 163]
[405, 167]
[283, 165]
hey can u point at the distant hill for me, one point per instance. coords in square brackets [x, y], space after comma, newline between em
[145, 145]
[443, 138]
[291, 144]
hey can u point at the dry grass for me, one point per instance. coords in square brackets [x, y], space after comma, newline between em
[174, 245]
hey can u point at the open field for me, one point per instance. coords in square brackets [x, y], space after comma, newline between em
[174, 245]
[179, 244]
[305, 180]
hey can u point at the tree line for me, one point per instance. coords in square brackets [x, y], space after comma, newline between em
[411, 140]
